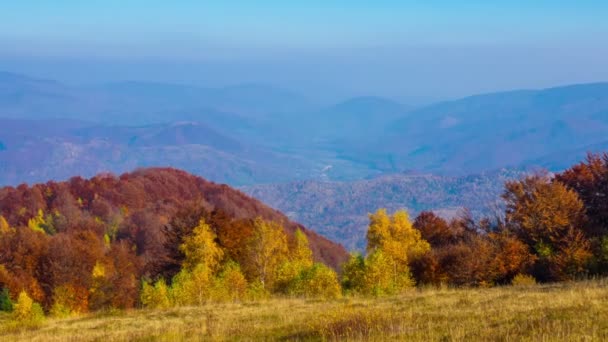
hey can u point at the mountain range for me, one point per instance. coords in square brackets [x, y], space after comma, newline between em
[252, 134]
[325, 165]
[508, 129]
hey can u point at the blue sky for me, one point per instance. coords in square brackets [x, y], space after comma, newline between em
[402, 49]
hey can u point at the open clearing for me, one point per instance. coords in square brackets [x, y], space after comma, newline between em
[556, 312]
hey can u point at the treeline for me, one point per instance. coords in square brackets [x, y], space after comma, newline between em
[553, 228]
[161, 238]
[270, 264]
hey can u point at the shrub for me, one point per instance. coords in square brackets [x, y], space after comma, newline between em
[352, 273]
[379, 279]
[60, 311]
[6, 304]
[26, 312]
[69, 300]
[523, 280]
[287, 276]
[232, 283]
[192, 287]
[319, 281]
[256, 291]
[155, 297]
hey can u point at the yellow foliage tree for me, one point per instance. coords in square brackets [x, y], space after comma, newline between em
[99, 271]
[353, 272]
[396, 236]
[4, 226]
[37, 222]
[200, 248]
[398, 241]
[155, 297]
[23, 308]
[100, 289]
[267, 249]
[299, 259]
[26, 311]
[231, 284]
[379, 278]
[319, 281]
[192, 287]
[301, 252]
[378, 231]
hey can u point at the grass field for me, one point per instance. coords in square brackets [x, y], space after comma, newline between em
[563, 312]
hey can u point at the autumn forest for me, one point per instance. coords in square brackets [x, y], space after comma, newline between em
[161, 238]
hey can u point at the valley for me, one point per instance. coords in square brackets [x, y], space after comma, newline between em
[339, 210]
[326, 166]
[303, 171]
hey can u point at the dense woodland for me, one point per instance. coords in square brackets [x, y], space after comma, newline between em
[161, 237]
[95, 240]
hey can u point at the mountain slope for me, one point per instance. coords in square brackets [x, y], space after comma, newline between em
[245, 100]
[37, 150]
[490, 131]
[141, 103]
[252, 134]
[140, 203]
[356, 118]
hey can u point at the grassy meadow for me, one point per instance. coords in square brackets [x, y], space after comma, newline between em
[557, 312]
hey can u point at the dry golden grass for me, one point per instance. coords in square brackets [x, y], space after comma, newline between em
[563, 312]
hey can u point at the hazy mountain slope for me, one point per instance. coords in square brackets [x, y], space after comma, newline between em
[141, 103]
[564, 159]
[33, 151]
[175, 134]
[247, 101]
[240, 135]
[356, 118]
[25, 97]
[489, 131]
[339, 210]
[252, 134]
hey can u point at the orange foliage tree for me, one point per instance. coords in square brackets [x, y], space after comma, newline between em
[549, 218]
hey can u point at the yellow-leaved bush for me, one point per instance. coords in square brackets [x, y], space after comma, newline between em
[392, 242]
[26, 312]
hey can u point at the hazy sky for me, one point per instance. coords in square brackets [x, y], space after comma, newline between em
[402, 49]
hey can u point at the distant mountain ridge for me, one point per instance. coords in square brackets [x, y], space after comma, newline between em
[485, 132]
[251, 134]
[35, 150]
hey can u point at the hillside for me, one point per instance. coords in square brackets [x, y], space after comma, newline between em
[339, 210]
[485, 132]
[156, 194]
[239, 135]
[361, 118]
[140, 103]
[39, 150]
[56, 233]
